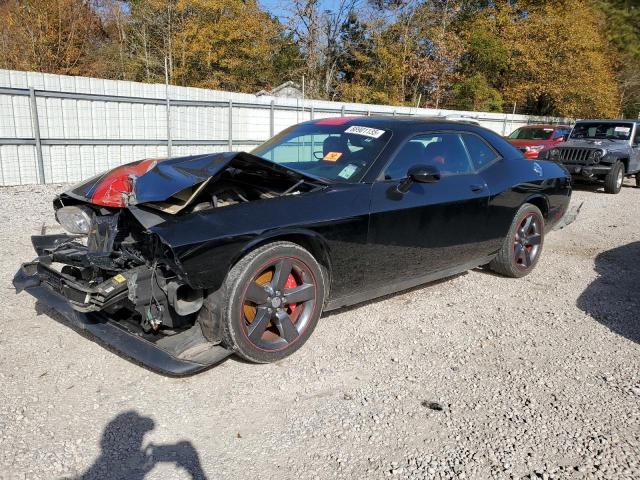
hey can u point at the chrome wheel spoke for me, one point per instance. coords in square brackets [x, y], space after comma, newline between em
[527, 257]
[518, 252]
[535, 239]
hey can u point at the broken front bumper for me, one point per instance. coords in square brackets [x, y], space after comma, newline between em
[587, 171]
[184, 353]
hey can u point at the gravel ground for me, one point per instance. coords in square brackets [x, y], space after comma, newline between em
[475, 377]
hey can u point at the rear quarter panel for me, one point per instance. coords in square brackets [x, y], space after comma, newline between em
[514, 181]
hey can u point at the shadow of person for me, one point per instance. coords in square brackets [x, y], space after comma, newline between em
[613, 298]
[124, 457]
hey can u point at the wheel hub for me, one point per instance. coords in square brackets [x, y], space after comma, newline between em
[276, 302]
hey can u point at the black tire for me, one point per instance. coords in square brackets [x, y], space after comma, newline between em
[277, 340]
[637, 180]
[518, 256]
[614, 179]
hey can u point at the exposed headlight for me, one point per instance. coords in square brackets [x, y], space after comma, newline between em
[554, 154]
[596, 155]
[76, 219]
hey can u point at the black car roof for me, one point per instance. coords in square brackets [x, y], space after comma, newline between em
[389, 122]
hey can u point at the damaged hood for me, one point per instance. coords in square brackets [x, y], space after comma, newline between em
[158, 180]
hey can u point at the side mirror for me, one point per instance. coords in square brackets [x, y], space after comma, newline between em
[419, 174]
[424, 174]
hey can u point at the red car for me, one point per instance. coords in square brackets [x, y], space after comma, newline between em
[533, 139]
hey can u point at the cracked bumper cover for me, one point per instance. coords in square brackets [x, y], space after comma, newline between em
[80, 308]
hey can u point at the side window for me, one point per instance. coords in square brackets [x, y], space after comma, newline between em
[481, 153]
[558, 134]
[445, 151]
[636, 140]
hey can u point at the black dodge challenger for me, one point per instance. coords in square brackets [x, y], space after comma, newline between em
[180, 262]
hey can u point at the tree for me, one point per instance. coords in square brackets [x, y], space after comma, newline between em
[437, 50]
[623, 29]
[225, 44]
[316, 31]
[53, 36]
[475, 93]
[559, 62]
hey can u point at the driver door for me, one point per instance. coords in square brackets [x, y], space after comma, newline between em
[433, 227]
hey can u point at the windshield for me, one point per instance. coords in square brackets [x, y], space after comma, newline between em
[531, 133]
[612, 131]
[330, 150]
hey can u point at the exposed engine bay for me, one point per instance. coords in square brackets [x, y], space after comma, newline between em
[222, 193]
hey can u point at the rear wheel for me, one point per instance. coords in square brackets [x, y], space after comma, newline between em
[273, 299]
[523, 245]
[614, 179]
[638, 180]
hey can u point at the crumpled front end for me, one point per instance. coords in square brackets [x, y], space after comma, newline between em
[120, 284]
[111, 268]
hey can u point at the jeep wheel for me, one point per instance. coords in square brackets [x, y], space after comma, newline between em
[614, 179]
[638, 180]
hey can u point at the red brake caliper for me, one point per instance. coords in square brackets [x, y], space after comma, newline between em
[291, 283]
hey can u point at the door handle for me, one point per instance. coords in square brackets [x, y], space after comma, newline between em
[476, 188]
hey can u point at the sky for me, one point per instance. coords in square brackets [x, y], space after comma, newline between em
[278, 7]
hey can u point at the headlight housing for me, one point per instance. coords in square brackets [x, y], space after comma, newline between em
[596, 155]
[554, 154]
[534, 148]
[75, 219]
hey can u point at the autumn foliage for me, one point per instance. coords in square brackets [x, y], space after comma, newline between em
[575, 58]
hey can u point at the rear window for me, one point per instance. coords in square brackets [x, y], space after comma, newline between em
[531, 133]
[610, 130]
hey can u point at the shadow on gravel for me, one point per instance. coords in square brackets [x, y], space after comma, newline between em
[612, 298]
[124, 457]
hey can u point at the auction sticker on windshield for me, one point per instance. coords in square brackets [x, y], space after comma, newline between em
[347, 171]
[332, 156]
[624, 130]
[366, 131]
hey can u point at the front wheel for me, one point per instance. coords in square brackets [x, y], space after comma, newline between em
[273, 298]
[615, 177]
[522, 247]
